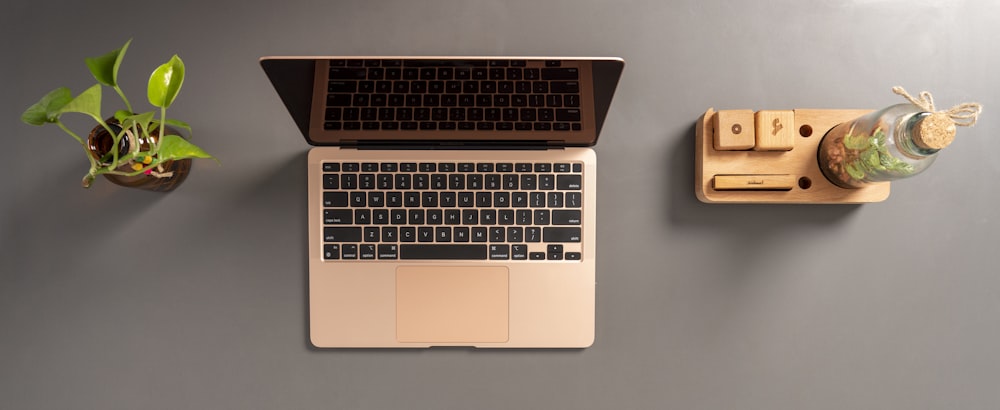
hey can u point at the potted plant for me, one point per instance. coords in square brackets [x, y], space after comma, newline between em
[131, 149]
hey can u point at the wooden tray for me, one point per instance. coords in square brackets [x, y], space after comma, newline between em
[810, 186]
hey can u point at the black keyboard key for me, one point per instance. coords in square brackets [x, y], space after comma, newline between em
[479, 234]
[564, 87]
[390, 234]
[533, 234]
[570, 182]
[408, 234]
[335, 199]
[561, 234]
[442, 234]
[568, 114]
[362, 216]
[331, 181]
[443, 251]
[574, 200]
[387, 251]
[342, 87]
[573, 256]
[568, 73]
[498, 234]
[331, 251]
[338, 217]
[542, 217]
[425, 234]
[554, 199]
[519, 252]
[546, 182]
[499, 252]
[349, 251]
[366, 251]
[342, 234]
[371, 234]
[554, 252]
[359, 199]
[348, 73]
[565, 217]
[338, 100]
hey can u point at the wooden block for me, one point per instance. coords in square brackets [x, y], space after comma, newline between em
[775, 130]
[754, 182]
[734, 130]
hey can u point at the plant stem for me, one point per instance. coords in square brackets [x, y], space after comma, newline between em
[71, 133]
[163, 121]
[124, 100]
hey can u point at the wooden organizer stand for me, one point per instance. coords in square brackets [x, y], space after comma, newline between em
[798, 165]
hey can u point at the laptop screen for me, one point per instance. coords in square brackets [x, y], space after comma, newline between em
[447, 101]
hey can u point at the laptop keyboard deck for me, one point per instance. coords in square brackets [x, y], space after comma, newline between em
[452, 210]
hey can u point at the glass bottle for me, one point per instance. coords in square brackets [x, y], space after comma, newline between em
[893, 143]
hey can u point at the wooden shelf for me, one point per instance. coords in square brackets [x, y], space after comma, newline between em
[799, 164]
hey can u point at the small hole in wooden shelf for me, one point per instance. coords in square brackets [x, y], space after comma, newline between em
[806, 130]
[805, 183]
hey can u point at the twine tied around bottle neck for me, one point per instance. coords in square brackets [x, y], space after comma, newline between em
[964, 114]
[937, 130]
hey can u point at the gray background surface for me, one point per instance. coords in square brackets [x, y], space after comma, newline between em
[114, 298]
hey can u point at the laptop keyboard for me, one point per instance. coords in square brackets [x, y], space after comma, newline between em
[452, 211]
[474, 94]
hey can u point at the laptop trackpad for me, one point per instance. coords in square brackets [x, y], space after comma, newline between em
[451, 304]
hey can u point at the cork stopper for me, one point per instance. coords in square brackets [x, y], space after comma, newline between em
[935, 131]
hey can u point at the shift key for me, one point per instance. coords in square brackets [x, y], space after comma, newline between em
[342, 234]
[561, 234]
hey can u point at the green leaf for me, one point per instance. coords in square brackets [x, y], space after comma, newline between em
[175, 147]
[142, 120]
[179, 124]
[165, 82]
[105, 68]
[88, 102]
[48, 109]
[855, 142]
[872, 160]
[121, 115]
[854, 171]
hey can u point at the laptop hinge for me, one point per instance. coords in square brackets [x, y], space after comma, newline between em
[453, 145]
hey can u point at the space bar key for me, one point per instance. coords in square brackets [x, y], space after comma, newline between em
[436, 251]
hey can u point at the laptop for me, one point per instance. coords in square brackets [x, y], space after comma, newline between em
[451, 199]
